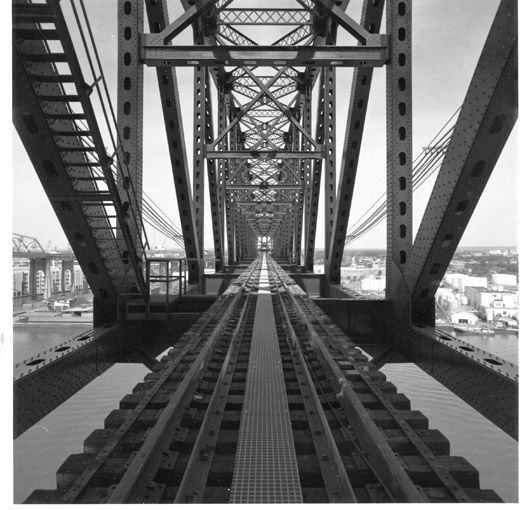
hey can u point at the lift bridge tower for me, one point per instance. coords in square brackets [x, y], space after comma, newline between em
[263, 146]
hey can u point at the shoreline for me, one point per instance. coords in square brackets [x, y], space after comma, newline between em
[50, 323]
[503, 331]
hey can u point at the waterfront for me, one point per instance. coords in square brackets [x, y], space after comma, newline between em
[32, 339]
[40, 451]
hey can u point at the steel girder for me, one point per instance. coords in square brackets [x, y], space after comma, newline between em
[130, 93]
[25, 244]
[343, 56]
[40, 391]
[361, 84]
[306, 167]
[157, 15]
[329, 127]
[70, 158]
[199, 139]
[315, 182]
[484, 124]
[215, 189]
[399, 154]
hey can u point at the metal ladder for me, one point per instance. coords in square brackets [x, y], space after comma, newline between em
[97, 182]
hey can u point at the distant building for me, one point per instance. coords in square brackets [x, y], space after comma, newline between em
[504, 279]
[493, 304]
[457, 265]
[464, 318]
[373, 283]
[20, 281]
[462, 281]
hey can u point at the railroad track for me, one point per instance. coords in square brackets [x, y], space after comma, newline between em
[265, 400]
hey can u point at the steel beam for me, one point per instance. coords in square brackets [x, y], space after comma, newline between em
[253, 187]
[191, 14]
[329, 116]
[287, 56]
[255, 154]
[231, 236]
[486, 119]
[485, 382]
[248, 16]
[167, 81]
[213, 181]
[39, 391]
[38, 138]
[315, 181]
[361, 83]
[399, 154]
[130, 95]
[199, 141]
[306, 165]
[222, 173]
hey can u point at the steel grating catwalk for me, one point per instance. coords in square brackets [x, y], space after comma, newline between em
[266, 467]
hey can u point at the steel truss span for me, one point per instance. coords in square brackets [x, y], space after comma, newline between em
[234, 398]
[264, 160]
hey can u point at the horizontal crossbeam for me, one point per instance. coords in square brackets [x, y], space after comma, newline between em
[338, 56]
[279, 187]
[264, 155]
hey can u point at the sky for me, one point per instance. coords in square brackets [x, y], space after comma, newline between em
[448, 38]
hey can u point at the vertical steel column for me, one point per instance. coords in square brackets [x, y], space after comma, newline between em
[198, 175]
[488, 114]
[130, 93]
[315, 181]
[291, 233]
[237, 234]
[329, 156]
[360, 91]
[284, 239]
[244, 241]
[230, 220]
[306, 165]
[213, 180]
[170, 103]
[299, 205]
[399, 158]
[251, 243]
[222, 173]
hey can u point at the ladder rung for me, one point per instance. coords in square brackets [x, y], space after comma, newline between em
[84, 196]
[77, 149]
[82, 164]
[71, 133]
[46, 57]
[41, 13]
[66, 116]
[87, 179]
[34, 34]
[113, 258]
[65, 98]
[52, 78]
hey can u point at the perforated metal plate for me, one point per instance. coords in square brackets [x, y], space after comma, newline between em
[266, 467]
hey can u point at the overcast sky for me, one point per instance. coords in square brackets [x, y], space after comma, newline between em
[448, 38]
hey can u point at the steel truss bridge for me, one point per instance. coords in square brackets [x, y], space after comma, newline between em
[207, 424]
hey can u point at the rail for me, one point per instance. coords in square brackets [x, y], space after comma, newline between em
[176, 438]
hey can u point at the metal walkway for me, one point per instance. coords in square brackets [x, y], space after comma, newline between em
[266, 467]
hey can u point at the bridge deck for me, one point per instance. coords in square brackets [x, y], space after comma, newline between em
[265, 400]
[266, 465]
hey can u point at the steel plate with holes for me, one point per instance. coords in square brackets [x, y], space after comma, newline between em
[266, 467]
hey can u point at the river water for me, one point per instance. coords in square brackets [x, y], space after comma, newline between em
[40, 451]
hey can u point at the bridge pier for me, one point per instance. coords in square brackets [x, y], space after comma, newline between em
[68, 283]
[40, 280]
